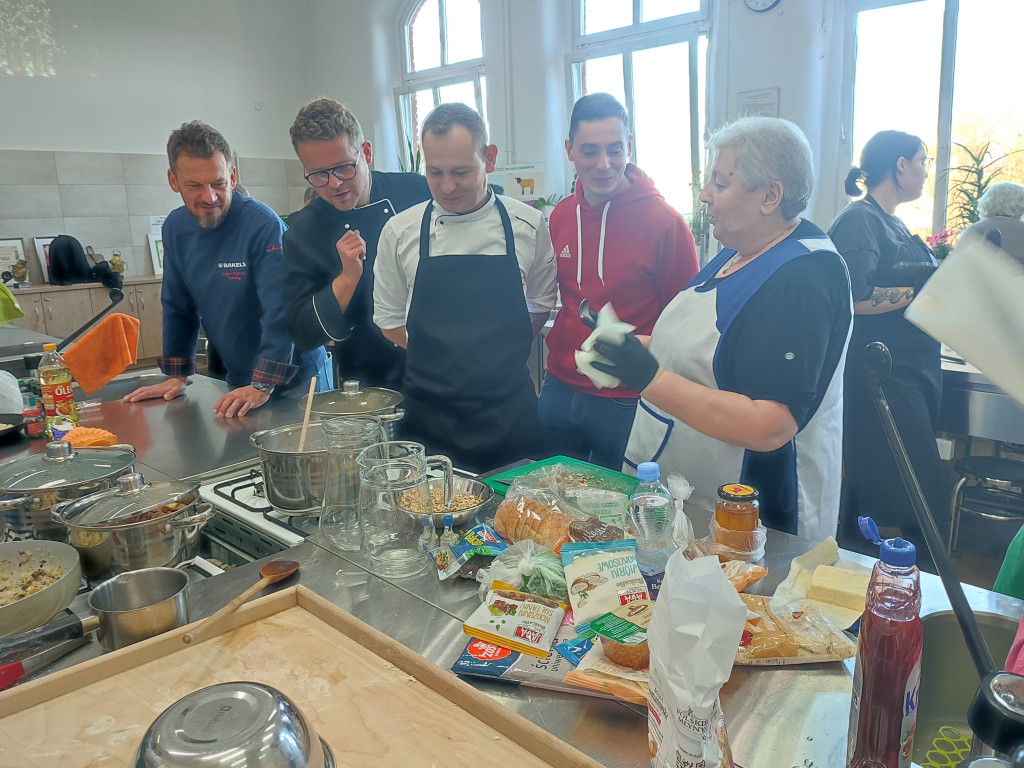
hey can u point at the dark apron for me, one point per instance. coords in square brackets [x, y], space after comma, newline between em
[871, 483]
[468, 390]
[366, 355]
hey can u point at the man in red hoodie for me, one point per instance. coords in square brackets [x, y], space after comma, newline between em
[617, 241]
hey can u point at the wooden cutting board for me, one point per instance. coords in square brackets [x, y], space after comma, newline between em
[373, 700]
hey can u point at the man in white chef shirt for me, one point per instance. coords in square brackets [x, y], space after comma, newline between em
[464, 282]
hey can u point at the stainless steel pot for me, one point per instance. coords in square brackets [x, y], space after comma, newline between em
[137, 525]
[293, 482]
[140, 604]
[354, 400]
[32, 486]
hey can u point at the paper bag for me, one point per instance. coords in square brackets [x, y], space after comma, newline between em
[973, 304]
[693, 636]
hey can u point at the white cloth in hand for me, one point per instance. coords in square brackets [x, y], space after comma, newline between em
[610, 329]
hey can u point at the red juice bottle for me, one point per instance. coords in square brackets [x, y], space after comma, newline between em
[883, 709]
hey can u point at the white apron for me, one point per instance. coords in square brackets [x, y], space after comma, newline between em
[686, 340]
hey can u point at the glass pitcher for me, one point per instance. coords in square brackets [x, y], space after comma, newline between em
[394, 495]
[346, 438]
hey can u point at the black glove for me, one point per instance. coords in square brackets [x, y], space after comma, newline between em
[631, 363]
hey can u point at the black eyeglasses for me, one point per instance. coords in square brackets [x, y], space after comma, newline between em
[340, 172]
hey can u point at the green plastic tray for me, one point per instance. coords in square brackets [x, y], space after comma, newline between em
[598, 477]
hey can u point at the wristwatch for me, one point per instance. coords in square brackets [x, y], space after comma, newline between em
[259, 386]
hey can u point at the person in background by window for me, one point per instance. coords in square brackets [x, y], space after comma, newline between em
[1000, 209]
[331, 243]
[873, 240]
[222, 263]
[465, 282]
[744, 378]
[617, 241]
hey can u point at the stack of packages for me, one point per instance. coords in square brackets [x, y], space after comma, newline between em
[565, 606]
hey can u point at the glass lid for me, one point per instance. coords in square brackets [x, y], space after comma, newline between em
[61, 466]
[133, 501]
[352, 399]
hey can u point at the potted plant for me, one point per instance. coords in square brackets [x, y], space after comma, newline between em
[973, 181]
[942, 243]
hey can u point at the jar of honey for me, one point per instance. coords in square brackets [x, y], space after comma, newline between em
[737, 515]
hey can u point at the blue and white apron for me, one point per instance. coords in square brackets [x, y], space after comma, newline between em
[802, 478]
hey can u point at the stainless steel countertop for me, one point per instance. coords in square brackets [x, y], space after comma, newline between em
[776, 716]
[177, 438]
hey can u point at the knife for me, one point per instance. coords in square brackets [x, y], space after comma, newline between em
[12, 673]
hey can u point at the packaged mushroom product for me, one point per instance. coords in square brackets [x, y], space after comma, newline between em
[516, 620]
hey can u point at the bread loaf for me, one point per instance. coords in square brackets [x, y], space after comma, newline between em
[519, 518]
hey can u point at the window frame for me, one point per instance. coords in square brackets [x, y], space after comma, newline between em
[434, 78]
[625, 41]
[944, 109]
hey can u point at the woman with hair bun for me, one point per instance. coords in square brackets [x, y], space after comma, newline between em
[872, 239]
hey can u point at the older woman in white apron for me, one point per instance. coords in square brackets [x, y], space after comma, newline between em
[741, 379]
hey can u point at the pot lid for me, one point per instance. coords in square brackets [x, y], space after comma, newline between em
[133, 501]
[61, 466]
[352, 399]
[247, 722]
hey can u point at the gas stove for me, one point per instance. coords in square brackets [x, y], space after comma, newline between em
[247, 528]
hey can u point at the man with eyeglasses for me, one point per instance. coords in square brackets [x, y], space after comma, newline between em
[331, 244]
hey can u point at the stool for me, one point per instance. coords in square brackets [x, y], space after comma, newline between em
[996, 492]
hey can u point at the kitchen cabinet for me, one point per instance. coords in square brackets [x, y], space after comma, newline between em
[59, 311]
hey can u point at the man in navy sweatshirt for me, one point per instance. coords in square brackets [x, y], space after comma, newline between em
[223, 264]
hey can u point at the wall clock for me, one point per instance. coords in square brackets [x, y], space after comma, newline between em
[761, 6]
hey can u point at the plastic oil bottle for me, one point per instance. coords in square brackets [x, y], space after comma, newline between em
[55, 382]
[883, 710]
[651, 516]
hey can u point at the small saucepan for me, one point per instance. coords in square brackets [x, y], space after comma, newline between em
[130, 607]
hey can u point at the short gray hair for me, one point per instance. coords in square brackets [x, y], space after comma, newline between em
[444, 116]
[1002, 199]
[770, 149]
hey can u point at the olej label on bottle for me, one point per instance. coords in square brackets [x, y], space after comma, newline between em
[59, 400]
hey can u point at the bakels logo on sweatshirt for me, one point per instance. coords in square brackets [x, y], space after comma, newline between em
[232, 270]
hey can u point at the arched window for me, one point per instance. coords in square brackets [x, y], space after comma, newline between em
[443, 63]
[652, 56]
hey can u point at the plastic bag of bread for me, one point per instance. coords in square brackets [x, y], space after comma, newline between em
[780, 632]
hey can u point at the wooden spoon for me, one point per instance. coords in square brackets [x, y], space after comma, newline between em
[271, 573]
[305, 418]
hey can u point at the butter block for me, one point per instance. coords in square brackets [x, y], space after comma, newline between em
[839, 586]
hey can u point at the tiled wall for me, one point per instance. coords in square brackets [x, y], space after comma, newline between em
[105, 199]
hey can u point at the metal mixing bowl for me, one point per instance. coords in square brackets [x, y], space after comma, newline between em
[239, 724]
[459, 485]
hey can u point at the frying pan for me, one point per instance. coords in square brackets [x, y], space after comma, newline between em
[35, 610]
[12, 420]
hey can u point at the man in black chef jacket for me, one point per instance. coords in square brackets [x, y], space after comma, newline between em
[464, 282]
[331, 244]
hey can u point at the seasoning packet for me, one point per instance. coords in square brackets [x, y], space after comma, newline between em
[781, 632]
[576, 648]
[478, 540]
[517, 621]
[601, 576]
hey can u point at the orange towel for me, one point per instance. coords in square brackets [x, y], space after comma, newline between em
[104, 352]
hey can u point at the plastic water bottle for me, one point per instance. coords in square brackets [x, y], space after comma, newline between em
[55, 381]
[651, 514]
[883, 710]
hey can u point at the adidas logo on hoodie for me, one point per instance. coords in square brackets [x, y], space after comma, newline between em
[565, 252]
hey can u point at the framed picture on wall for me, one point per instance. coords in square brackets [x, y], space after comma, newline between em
[11, 252]
[156, 253]
[43, 254]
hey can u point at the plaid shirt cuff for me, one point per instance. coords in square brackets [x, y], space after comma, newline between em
[273, 374]
[179, 367]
